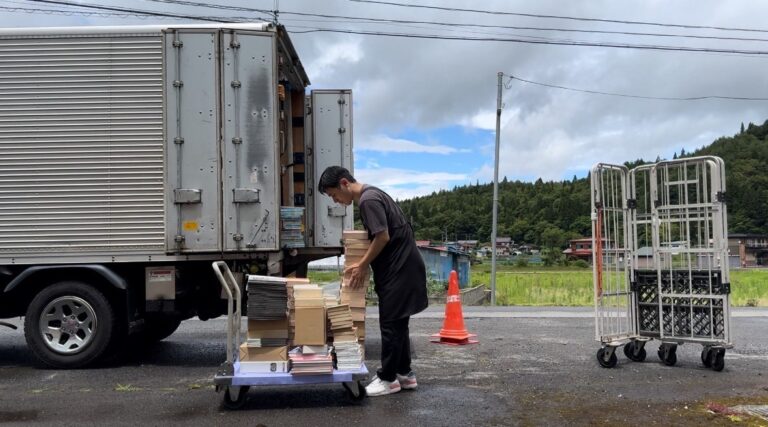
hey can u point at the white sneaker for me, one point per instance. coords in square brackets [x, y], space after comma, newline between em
[379, 387]
[407, 382]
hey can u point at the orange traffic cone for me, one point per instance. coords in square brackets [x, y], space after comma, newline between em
[453, 332]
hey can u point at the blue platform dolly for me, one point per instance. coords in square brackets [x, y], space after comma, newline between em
[235, 384]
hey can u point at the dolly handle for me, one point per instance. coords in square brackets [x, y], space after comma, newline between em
[230, 286]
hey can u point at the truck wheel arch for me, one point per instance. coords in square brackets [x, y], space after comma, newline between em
[32, 272]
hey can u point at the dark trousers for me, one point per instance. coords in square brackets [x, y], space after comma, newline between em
[395, 349]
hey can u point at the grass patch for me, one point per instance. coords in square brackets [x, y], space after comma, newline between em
[556, 288]
[323, 276]
[563, 286]
[749, 288]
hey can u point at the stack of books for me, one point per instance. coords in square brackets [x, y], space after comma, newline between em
[349, 355]
[265, 348]
[267, 298]
[291, 282]
[340, 319]
[313, 363]
[310, 320]
[267, 333]
[356, 243]
[291, 227]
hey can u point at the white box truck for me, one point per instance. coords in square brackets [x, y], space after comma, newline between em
[133, 157]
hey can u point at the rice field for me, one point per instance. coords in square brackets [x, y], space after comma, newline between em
[537, 286]
[558, 287]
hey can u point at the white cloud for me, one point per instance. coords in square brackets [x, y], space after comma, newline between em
[484, 119]
[386, 144]
[334, 56]
[404, 184]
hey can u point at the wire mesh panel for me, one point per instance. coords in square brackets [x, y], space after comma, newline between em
[690, 262]
[644, 258]
[614, 310]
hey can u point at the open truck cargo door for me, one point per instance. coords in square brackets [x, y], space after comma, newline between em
[251, 174]
[330, 115]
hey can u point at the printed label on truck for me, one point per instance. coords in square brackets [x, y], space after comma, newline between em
[160, 275]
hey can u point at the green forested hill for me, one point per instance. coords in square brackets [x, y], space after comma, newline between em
[550, 213]
[746, 170]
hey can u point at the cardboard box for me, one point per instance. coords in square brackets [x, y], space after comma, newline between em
[263, 367]
[263, 354]
[268, 328]
[310, 326]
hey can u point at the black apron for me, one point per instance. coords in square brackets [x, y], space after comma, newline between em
[399, 274]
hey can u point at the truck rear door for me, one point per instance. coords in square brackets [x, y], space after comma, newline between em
[251, 174]
[193, 217]
[331, 145]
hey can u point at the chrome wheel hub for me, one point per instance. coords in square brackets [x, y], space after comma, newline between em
[67, 324]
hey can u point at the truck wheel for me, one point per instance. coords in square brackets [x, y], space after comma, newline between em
[69, 325]
[159, 328]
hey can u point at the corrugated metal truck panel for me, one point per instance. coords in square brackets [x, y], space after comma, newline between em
[81, 143]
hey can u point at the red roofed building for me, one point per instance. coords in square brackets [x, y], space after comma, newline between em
[580, 249]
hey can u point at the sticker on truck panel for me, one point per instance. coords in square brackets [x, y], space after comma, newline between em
[190, 225]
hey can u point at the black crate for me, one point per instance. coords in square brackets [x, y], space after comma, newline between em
[682, 316]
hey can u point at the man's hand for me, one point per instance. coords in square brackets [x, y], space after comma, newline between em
[356, 274]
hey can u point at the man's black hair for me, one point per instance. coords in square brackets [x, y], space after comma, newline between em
[331, 178]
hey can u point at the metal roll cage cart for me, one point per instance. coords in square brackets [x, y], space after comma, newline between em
[235, 384]
[660, 259]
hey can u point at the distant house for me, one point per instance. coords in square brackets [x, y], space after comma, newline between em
[748, 250]
[644, 257]
[503, 245]
[467, 245]
[579, 249]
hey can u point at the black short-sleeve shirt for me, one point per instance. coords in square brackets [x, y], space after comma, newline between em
[399, 274]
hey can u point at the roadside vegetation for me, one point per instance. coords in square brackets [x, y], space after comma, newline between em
[568, 286]
[572, 286]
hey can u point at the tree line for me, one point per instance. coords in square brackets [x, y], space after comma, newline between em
[548, 214]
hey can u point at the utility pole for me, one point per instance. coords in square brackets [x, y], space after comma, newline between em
[495, 192]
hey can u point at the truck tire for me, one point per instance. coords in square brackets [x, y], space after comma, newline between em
[69, 325]
[159, 328]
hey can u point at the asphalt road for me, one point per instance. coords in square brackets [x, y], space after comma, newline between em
[526, 370]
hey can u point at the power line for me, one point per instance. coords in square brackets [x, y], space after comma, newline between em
[545, 42]
[623, 95]
[68, 12]
[407, 35]
[217, 6]
[72, 12]
[572, 18]
[129, 10]
[451, 24]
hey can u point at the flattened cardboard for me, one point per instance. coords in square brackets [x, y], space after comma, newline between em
[263, 354]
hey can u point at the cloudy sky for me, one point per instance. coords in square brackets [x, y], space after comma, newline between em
[425, 108]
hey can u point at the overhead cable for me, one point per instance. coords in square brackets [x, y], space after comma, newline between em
[450, 24]
[623, 95]
[544, 42]
[130, 10]
[572, 18]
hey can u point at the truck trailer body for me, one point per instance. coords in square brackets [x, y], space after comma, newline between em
[133, 157]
